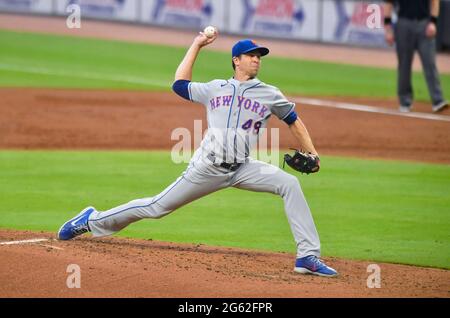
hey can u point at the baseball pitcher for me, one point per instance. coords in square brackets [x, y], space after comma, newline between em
[237, 110]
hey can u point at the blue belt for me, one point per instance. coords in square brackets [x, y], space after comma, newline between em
[229, 166]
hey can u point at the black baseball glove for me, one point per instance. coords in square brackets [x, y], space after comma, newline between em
[302, 162]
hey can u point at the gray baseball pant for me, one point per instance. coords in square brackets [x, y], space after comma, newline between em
[201, 178]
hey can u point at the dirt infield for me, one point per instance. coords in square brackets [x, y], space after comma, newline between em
[113, 267]
[76, 119]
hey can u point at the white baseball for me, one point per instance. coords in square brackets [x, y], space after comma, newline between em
[209, 31]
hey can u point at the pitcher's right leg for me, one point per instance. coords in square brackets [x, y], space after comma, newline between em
[179, 193]
[198, 180]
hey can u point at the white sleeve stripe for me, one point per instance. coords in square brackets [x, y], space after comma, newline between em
[289, 112]
[189, 91]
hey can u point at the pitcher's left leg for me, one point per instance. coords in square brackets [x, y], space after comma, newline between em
[262, 177]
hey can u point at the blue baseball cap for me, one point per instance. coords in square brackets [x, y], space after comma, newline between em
[247, 45]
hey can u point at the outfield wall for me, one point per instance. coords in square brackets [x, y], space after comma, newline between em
[331, 21]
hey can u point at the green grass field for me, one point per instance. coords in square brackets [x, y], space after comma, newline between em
[55, 61]
[376, 210]
[364, 209]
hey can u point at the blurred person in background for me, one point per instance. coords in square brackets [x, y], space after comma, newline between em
[415, 30]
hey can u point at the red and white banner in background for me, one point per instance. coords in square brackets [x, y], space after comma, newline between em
[191, 14]
[37, 6]
[353, 22]
[103, 9]
[335, 21]
[275, 18]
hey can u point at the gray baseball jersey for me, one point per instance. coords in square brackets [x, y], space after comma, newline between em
[236, 112]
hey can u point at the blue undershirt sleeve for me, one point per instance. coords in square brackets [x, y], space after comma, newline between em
[181, 88]
[291, 118]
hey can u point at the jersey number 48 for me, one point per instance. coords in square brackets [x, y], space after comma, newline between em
[249, 123]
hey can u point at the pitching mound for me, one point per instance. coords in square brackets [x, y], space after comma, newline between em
[115, 267]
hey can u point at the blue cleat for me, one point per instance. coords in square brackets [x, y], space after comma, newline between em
[313, 265]
[76, 226]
